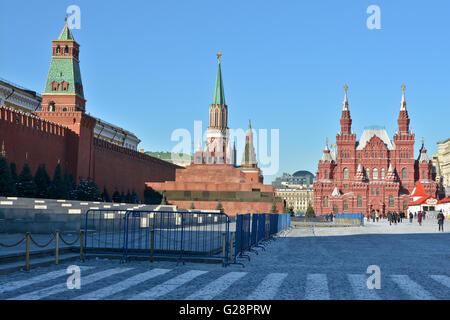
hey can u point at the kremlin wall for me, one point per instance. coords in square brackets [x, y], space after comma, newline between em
[55, 128]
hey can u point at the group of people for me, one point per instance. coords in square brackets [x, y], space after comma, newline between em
[395, 217]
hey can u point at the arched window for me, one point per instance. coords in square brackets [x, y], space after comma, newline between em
[216, 120]
[325, 202]
[368, 173]
[378, 192]
[404, 173]
[375, 173]
[326, 174]
[345, 203]
[359, 201]
[382, 173]
[335, 209]
[51, 106]
[345, 174]
[66, 49]
[391, 201]
[424, 174]
[58, 49]
[64, 110]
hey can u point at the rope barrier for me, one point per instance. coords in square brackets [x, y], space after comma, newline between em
[12, 245]
[69, 243]
[40, 245]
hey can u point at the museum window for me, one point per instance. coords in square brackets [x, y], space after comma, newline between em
[375, 173]
[368, 173]
[423, 174]
[326, 174]
[345, 205]
[51, 106]
[382, 173]
[373, 192]
[359, 201]
[391, 201]
[378, 192]
[325, 202]
[345, 174]
[404, 173]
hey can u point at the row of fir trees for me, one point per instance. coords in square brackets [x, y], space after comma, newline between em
[62, 186]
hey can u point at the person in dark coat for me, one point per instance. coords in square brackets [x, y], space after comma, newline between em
[419, 218]
[411, 217]
[440, 219]
[389, 216]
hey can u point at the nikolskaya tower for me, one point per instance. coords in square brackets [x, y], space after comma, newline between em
[218, 147]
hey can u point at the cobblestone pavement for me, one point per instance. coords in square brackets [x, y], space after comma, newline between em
[307, 263]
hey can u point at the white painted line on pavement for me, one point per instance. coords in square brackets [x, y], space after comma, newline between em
[411, 288]
[359, 287]
[61, 287]
[268, 287]
[168, 286]
[217, 286]
[444, 280]
[122, 285]
[317, 287]
[10, 286]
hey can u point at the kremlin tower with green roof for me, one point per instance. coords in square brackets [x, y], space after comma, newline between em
[63, 99]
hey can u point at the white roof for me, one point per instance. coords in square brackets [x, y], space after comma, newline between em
[336, 192]
[380, 133]
[424, 157]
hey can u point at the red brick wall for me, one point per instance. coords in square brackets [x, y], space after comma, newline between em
[230, 208]
[31, 139]
[121, 168]
[109, 165]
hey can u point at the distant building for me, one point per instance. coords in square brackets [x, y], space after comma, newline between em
[441, 162]
[298, 198]
[181, 160]
[299, 178]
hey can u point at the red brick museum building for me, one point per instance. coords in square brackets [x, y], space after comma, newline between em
[374, 173]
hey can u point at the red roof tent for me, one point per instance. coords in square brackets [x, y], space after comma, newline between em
[419, 201]
[419, 191]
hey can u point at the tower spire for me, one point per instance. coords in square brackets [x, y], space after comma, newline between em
[219, 95]
[345, 103]
[403, 103]
[346, 120]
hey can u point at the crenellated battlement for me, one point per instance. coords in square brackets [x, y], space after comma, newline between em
[108, 146]
[29, 120]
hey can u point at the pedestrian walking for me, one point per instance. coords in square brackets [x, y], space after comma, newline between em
[389, 216]
[440, 219]
[373, 215]
[419, 218]
[411, 216]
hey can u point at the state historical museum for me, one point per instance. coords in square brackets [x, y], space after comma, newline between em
[374, 173]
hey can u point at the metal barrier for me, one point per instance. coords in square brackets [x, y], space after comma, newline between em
[104, 231]
[350, 218]
[263, 227]
[176, 234]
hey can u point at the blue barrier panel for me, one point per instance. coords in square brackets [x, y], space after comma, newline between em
[176, 234]
[238, 235]
[267, 226]
[104, 231]
[261, 226]
[254, 231]
[273, 223]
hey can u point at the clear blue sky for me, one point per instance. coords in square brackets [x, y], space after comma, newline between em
[149, 66]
